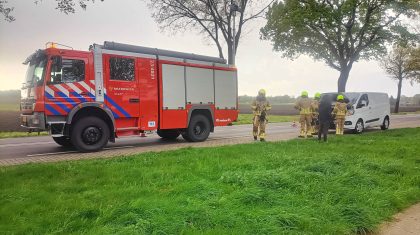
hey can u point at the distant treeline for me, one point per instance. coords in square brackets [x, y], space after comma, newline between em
[406, 101]
[284, 99]
[13, 96]
[10, 96]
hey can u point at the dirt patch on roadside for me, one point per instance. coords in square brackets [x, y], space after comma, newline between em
[406, 222]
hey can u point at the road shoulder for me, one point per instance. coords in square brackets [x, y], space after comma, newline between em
[405, 222]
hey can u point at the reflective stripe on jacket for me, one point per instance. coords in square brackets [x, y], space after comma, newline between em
[340, 109]
[304, 106]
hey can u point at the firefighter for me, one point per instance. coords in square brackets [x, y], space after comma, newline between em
[315, 114]
[304, 105]
[340, 112]
[260, 106]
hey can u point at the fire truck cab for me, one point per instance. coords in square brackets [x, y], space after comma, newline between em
[86, 99]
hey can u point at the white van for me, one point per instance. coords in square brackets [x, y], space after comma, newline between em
[366, 109]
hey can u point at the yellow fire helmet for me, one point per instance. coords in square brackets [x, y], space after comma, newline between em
[304, 94]
[261, 92]
[317, 96]
[340, 97]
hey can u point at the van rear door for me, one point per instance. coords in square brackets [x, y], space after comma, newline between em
[364, 109]
[380, 107]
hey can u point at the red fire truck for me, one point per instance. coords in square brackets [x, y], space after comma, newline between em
[85, 99]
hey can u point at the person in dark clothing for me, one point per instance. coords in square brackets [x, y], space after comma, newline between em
[325, 117]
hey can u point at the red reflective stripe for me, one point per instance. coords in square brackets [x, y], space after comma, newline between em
[65, 102]
[79, 100]
[67, 87]
[83, 89]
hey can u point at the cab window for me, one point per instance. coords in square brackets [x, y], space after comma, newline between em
[363, 102]
[121, 69]
[68, 71]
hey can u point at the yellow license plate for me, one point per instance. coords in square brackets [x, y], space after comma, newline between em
[24, 119]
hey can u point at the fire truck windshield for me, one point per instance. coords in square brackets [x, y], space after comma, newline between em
[35, 73]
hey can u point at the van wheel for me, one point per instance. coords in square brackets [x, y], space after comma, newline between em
[168, 134]
[90, 134]
[63, 141]
[385, 124]
[360, 127]
[198, 130]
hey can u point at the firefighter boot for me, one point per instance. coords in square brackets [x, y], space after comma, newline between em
[262, 134]
[309, 131]
[302, 127]
[302, 134]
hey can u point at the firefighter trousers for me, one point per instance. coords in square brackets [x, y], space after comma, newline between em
[305, 125]
[258, 129]
[315, 125]
[339, 129]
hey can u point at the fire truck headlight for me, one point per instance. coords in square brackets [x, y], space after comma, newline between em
[35, 120]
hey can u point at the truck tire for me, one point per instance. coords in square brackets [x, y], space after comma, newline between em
[90, 134]
[198, 130]
[385, 124]
[63, 141]
[168, 134]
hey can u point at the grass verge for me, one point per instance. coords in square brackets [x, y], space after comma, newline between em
[349, 185]
[405, 113]
[9, 107]
[14, 134]
[247, 119]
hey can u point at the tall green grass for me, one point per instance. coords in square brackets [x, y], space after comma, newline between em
[349, 185]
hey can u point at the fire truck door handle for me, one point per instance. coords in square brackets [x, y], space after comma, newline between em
[134, 100]
[83, 93]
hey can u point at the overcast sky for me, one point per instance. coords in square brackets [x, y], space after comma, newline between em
[129, 21]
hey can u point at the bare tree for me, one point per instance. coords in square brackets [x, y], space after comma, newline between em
[213, 18]
[5, 11]
[402, 63]
[65, 6]
[69, 6]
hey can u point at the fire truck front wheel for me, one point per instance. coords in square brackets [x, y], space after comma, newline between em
[198, 130]
[90, 134]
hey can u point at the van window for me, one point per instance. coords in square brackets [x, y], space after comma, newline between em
[121, 69]
[363, 99]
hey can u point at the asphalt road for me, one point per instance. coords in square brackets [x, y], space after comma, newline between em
[30, 147]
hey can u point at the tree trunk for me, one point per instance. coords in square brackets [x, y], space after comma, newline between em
[231, 56]
[397, 103]
[344, 76]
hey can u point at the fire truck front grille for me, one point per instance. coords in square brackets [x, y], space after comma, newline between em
[26, 104]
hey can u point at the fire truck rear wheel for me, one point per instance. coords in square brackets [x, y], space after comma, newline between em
[198, 130]
[168, 134]
[63, 141]
[90, 134]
